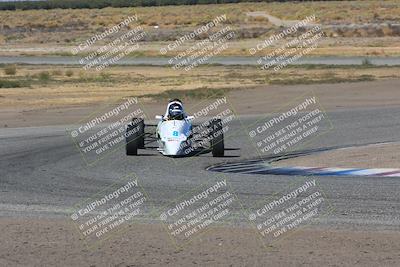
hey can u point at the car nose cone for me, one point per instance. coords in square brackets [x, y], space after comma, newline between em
[173, 148]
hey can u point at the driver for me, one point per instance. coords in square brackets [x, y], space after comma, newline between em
[175, 112]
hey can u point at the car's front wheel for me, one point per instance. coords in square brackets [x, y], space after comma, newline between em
[217, 138]
[134, 136]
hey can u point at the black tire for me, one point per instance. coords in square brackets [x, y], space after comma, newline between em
[134, 136]
[217, 138]
[140, 123]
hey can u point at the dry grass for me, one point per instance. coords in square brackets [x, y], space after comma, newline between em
[10, 70]
[339, 11]
[100, 19]
[51, 26]
[95, 19]
[92, 87]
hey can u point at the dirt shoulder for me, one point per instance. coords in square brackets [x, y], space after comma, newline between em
[371, 156]
[55, 242]
[46, 86]
[255, 100]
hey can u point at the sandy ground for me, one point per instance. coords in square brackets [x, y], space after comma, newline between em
[258, 100]
[343, 46]
[371, 156]
[39, 242]
[93, 87]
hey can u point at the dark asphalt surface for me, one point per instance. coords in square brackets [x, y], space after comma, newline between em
[42, 174]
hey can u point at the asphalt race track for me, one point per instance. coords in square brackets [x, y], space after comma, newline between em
[43, 175]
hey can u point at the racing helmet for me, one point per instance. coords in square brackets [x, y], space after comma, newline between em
[175, 111]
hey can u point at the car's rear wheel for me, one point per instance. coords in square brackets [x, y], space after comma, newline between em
[134, 136]
[217, 138]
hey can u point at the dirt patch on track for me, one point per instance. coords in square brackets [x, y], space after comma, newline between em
[371, 156]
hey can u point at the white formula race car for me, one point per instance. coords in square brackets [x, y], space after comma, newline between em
[176, 135]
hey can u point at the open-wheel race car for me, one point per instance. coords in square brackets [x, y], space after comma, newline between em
[175, 134]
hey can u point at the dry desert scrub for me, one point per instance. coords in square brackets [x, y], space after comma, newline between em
[35, 87]
[52, 25]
